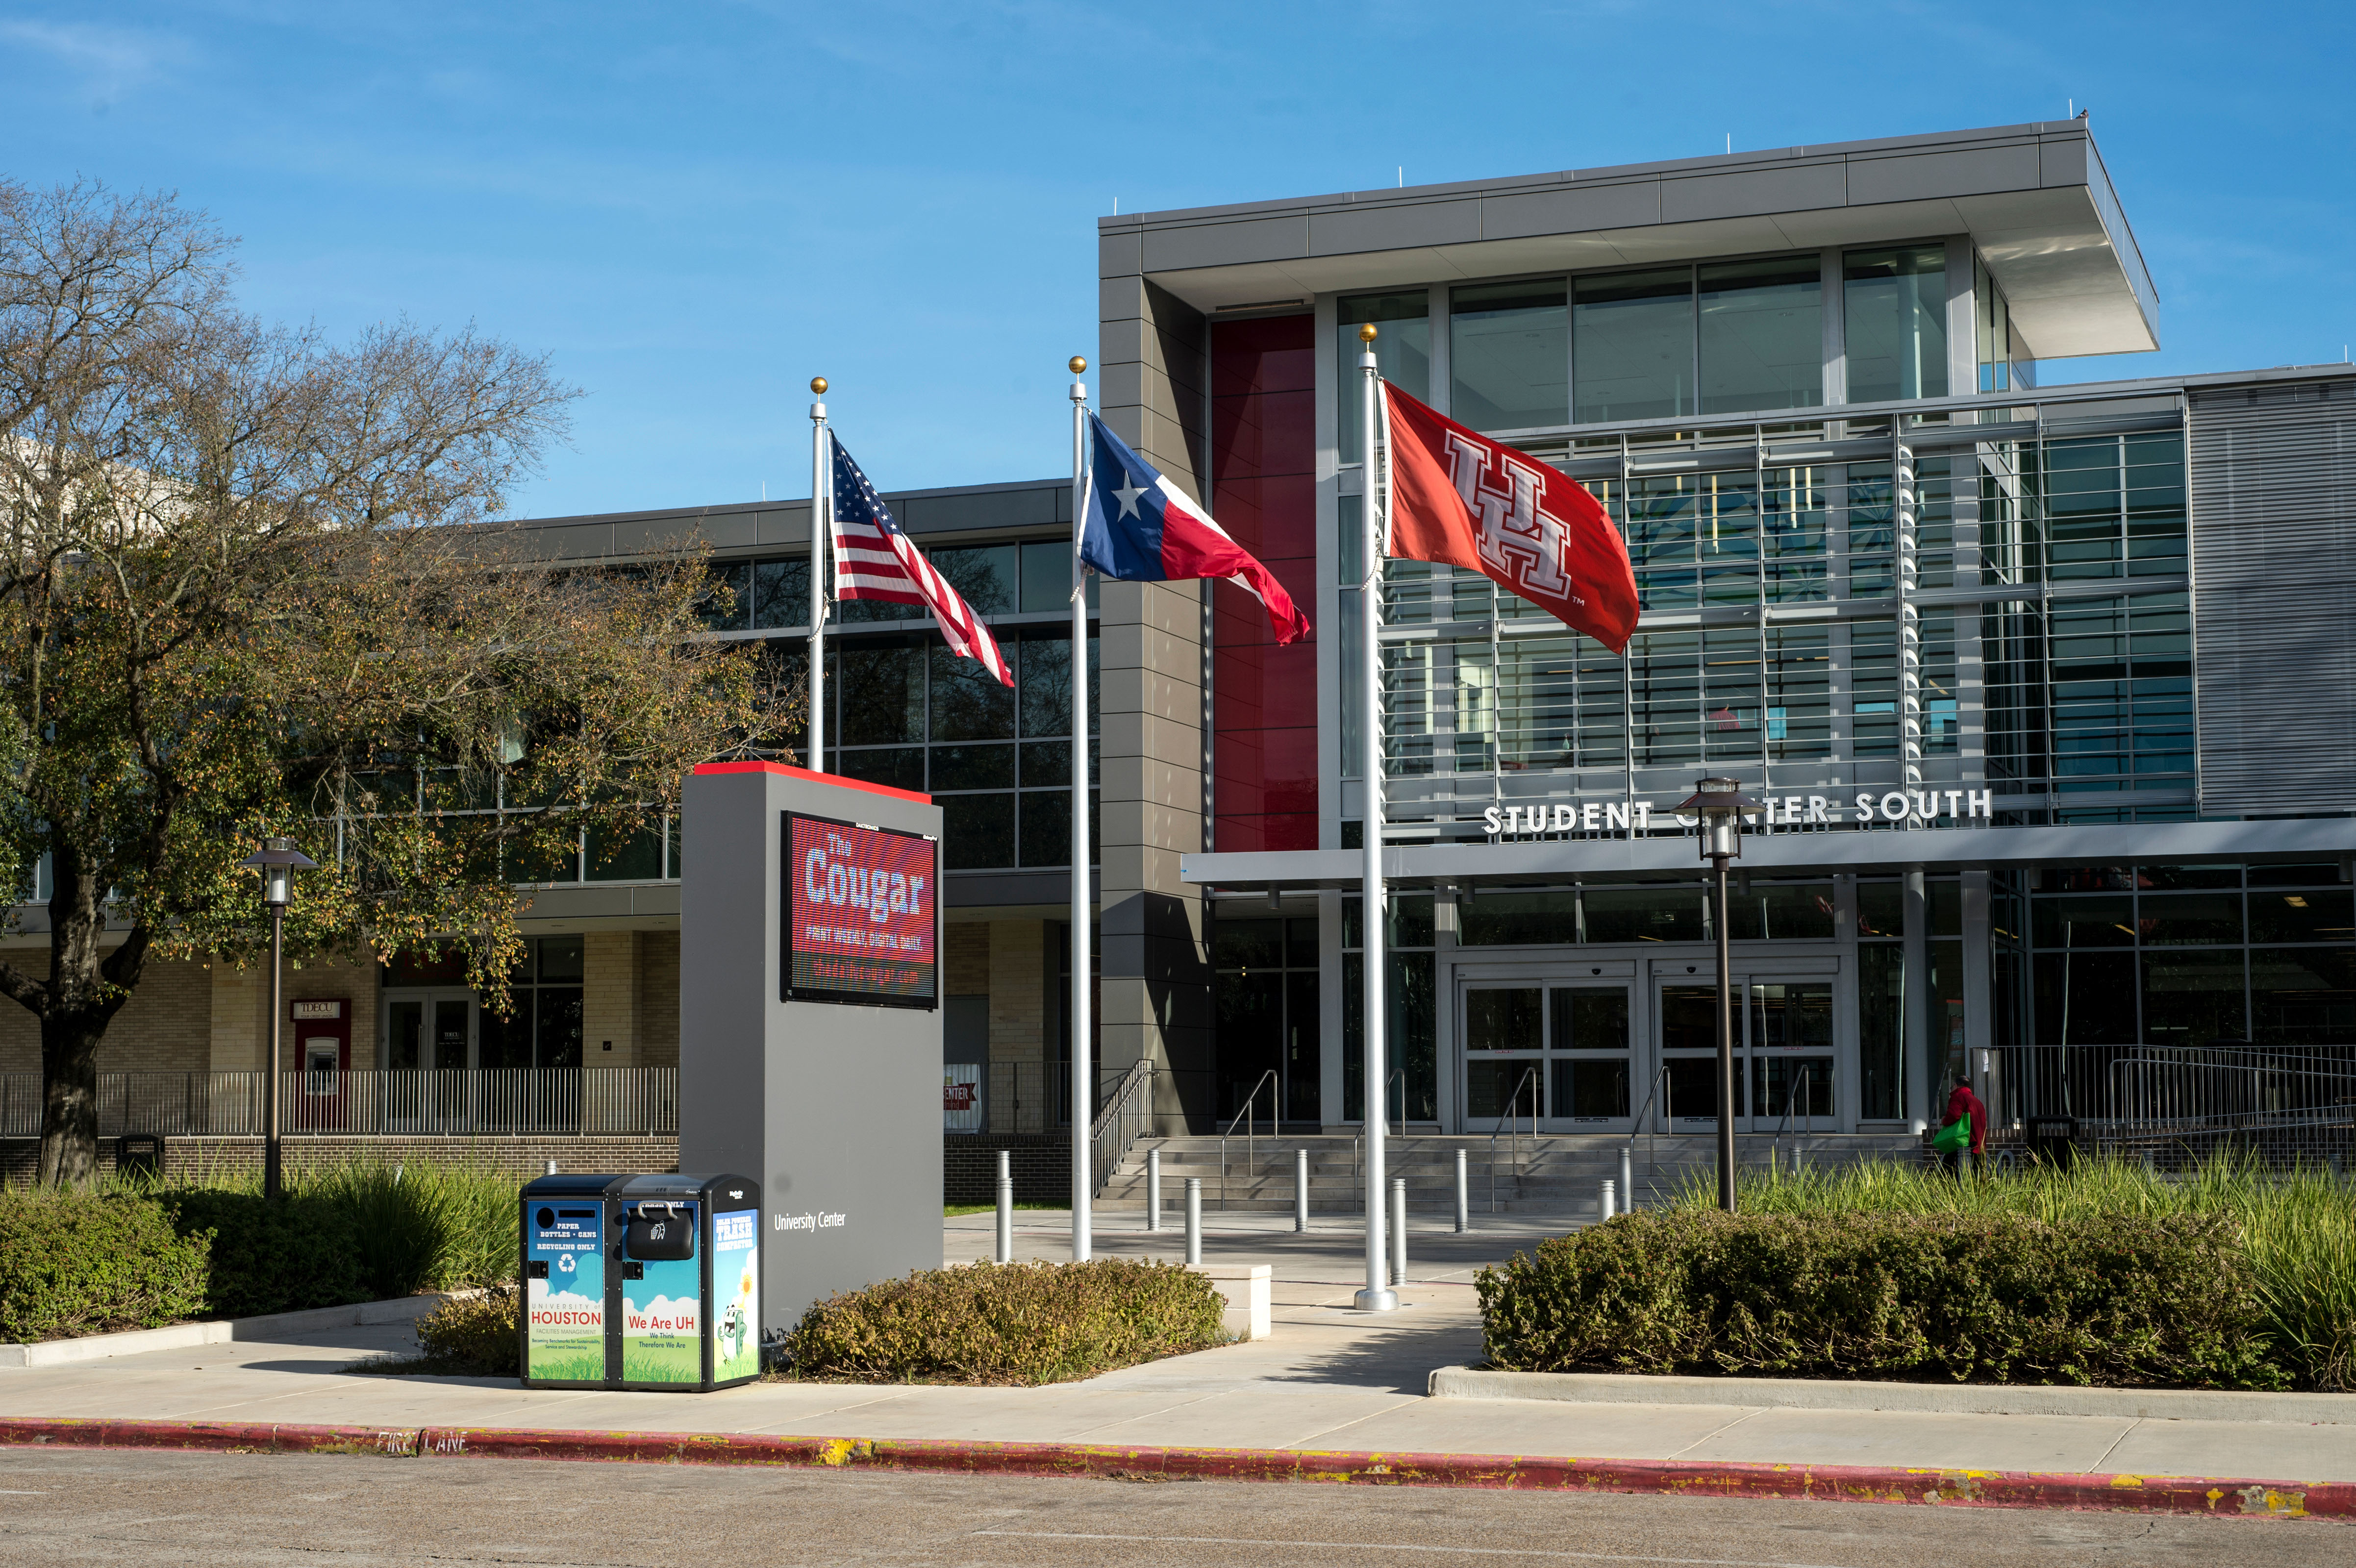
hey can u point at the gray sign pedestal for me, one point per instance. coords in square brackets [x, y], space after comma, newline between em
[834, 1108]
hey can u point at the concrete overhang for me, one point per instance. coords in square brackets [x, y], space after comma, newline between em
[2279, 842]
[2035, 199]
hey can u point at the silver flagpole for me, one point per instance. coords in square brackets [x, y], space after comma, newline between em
[1083, 1101]
[1377, 1296]
[821, 508]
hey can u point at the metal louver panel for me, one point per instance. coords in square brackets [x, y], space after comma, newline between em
[2273, 472]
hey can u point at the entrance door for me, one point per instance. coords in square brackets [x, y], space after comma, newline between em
[429, 1044]
[1556, 1052]
[1783, 1055]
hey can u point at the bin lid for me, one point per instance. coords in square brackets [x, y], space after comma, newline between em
[721, 1190]
[581, 1184]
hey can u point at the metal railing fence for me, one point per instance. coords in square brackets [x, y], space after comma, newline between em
[580, 1102]
[2156, 1091]
[1128, 1115]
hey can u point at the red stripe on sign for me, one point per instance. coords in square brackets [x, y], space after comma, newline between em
[789, 771]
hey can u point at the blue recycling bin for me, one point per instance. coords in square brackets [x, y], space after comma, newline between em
[640, 1281]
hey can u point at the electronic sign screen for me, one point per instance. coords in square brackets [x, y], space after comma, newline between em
[860, 906]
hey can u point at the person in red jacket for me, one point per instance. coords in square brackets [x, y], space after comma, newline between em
[1962, 1102]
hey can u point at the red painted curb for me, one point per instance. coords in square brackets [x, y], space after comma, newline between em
[1832, 1483]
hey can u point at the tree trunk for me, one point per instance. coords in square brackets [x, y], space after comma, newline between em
[69, 1095]
[86, 987]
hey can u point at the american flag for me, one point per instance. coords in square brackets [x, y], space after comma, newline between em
[873, 560]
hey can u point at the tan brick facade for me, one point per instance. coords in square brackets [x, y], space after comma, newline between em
[658, 1000]
[612, 989]
[165, 1027]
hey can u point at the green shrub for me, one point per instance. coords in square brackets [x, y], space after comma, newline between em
[1017, 1323]
[2296, 1229]
[75, 1263]
[267, 1257]
[2110, 1301]
[473, 1335]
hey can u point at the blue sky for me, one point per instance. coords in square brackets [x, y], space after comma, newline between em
[693, 206]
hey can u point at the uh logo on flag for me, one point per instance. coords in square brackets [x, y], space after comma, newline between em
[1139, 528]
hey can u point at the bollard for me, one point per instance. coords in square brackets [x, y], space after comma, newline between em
[1463, 1197]
[1628, 1177]
[1153, 1190]
[1193, 1222]
[1003, 1250]
[1606, 1208]
[1398, 1230]
[1301, 1189]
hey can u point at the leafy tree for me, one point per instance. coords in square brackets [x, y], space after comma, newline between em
[252, 584]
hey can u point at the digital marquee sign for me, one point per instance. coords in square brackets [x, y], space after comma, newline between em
[860, 915]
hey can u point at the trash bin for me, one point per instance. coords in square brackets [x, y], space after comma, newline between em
[642, 1282]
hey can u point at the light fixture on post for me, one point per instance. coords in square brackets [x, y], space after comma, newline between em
[277, 862]
[1720, 803]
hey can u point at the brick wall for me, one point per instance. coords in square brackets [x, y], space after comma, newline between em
[965, 959]
[520, 1156]
[610, 995]
[658, 999]
[1042, 1168]
[165, 1027]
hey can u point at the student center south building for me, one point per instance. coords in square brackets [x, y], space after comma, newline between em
[2048, 693]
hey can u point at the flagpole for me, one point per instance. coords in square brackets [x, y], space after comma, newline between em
[1377, 1296]
[821, 500]
[1083, 1101]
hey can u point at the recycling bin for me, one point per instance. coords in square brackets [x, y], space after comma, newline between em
[640, 1281]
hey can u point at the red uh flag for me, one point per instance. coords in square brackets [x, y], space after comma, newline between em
[1458, 497]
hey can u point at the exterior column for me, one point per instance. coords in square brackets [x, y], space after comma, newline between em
[1979, 991]
[1921, 1055]
[609, 999]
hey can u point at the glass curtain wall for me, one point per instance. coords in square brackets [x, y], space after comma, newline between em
[1412, 1042]
[1894, 306]
[1508, 359]
[1402, 353]
[1722, 337]
[543, 1026]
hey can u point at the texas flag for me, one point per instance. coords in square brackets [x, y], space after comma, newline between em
[1139, 528]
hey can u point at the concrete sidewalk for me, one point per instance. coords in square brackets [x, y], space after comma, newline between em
[1329, 1379]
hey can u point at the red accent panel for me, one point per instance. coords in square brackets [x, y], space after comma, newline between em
[794, 773]
[1264, 698]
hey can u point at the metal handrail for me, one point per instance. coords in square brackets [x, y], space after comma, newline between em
[1140, 1075]
[1251, 1124]
[1652, 1136]
[1508, 1122]
[1399, 1076]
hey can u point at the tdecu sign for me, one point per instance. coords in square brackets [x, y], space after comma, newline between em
[1913, 808]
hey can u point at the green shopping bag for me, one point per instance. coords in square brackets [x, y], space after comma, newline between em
[1954, 1139]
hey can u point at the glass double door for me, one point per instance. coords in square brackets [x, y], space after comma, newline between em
[1556, 1053]
[1783, 1055]
[429, 1043]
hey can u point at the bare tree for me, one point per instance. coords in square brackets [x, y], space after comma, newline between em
[235, 601]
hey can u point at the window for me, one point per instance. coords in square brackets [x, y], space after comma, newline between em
[1402, 353]
[543, 1028]
[1507, 357]
[912, 715]
[1762, 335]
[1895, 305]
[1634, 342]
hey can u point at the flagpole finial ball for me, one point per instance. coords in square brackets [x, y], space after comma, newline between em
[1366, 333]
[1079, 363]
[817, 385]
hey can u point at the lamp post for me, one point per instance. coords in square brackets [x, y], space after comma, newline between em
[1720, 803]
[277, 862]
